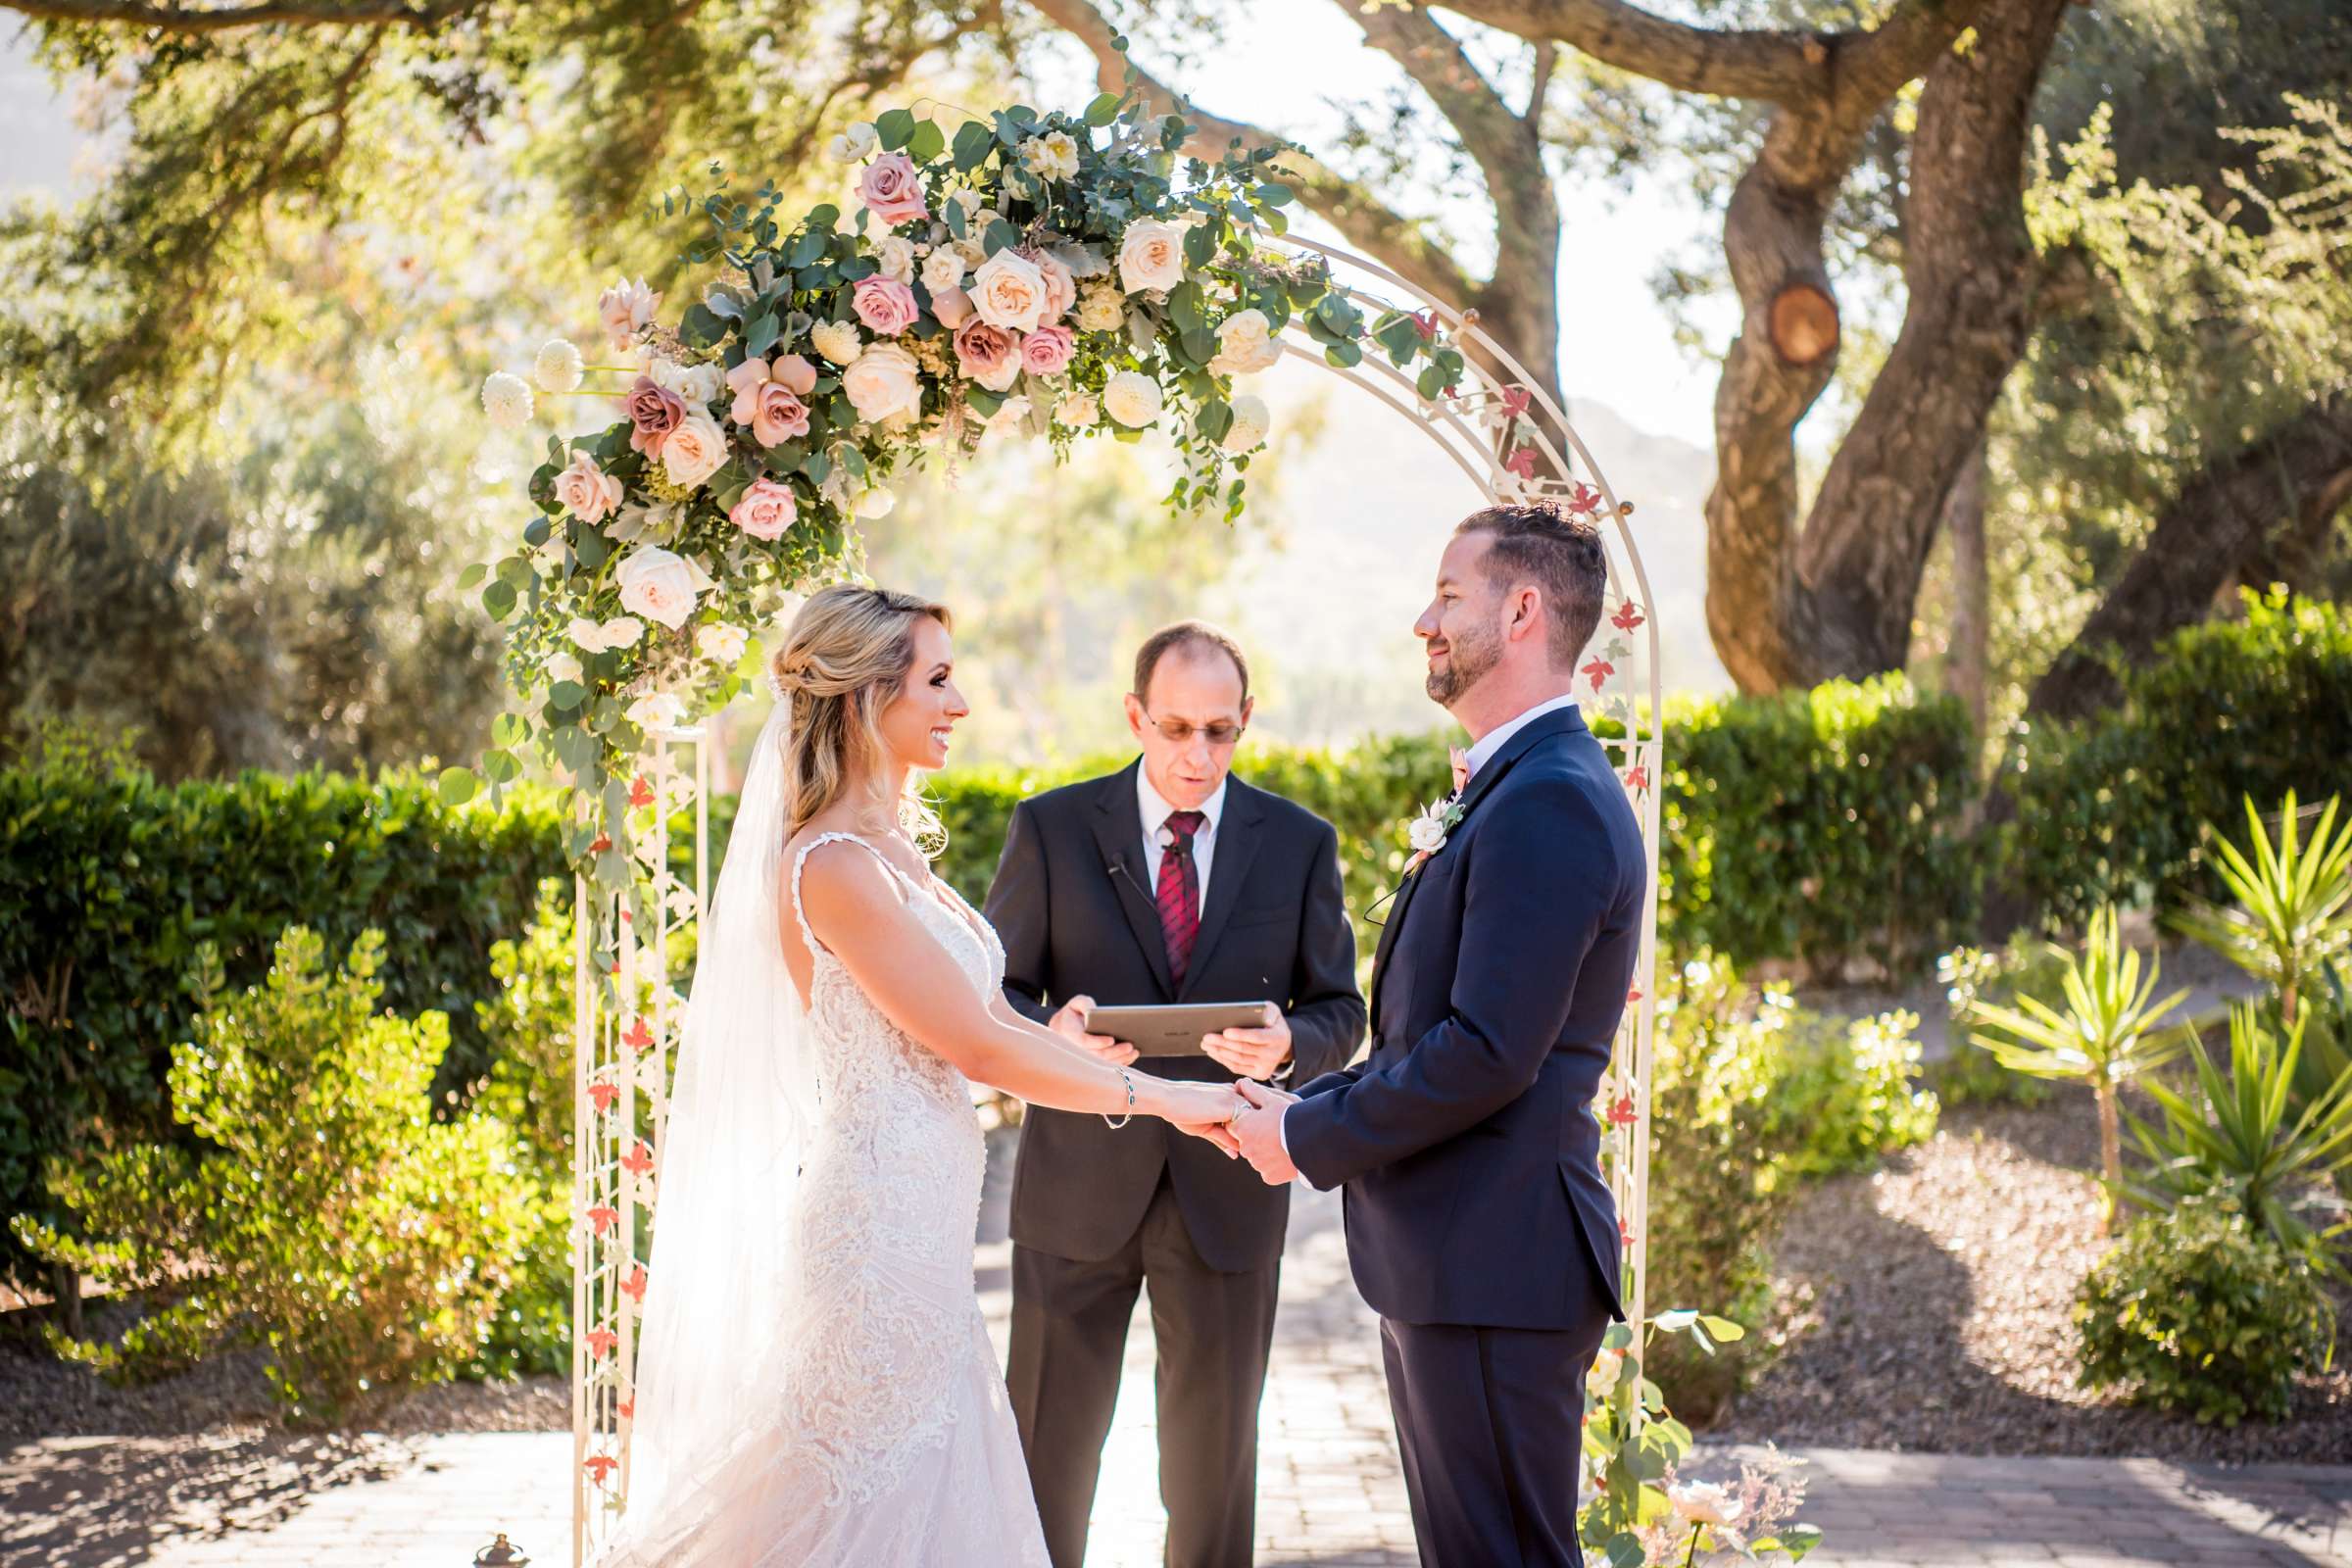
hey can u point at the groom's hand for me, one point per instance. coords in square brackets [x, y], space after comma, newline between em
[1251, 1052]
[1070, 1023]
[1258, 1132]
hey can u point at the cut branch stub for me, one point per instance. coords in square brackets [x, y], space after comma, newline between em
[1804, 325]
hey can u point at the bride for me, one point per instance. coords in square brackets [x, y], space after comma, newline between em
[815, 1382]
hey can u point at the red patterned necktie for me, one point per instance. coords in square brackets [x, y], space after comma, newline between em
[1179, 892]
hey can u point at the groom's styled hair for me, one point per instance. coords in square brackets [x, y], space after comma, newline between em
[1543, 543]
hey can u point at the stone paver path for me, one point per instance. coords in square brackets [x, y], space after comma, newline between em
[1329, 1487]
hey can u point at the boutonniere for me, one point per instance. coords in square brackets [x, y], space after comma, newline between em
[1428, 832]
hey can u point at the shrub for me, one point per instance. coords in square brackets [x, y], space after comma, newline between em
[2114, 810]
[2024, 965]
[1824, 826]
[1747, 1094]
[2196, 1310]
[326, 1217]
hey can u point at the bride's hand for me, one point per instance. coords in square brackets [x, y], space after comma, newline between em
[1205, 1110]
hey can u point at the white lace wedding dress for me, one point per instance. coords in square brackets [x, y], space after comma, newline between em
[865, 1424]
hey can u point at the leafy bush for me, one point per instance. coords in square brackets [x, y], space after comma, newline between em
[2024, 965]
[2198, 1309]
[1748, 1092]
[1824, 826]
[326, 1217]
[2115, 810]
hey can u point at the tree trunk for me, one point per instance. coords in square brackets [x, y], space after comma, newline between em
[1790, 608]
[2111, 1154]
[1966, 659]
[2218, 520]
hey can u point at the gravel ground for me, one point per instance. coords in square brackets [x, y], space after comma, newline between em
[1927, 1307]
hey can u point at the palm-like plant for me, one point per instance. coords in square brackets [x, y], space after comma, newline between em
[2294, 907]
[2236, 1136]
[2108, 1036]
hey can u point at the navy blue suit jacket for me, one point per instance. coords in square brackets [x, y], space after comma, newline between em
[1467, 1139]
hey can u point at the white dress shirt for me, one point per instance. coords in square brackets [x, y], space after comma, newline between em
[1479, 755]
[1156, 812]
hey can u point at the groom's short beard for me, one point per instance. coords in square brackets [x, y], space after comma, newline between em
[1467, 660]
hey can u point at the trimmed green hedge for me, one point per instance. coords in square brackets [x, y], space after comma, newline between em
[2115, 809]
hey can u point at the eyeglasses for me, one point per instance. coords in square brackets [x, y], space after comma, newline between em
[1180, 732]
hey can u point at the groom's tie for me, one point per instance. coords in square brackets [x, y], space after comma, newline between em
[1179, 893]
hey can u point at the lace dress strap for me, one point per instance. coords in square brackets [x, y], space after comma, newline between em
[800, 863]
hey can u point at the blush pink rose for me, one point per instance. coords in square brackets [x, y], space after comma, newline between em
[654, 411]
[952, 306]
[794, 373]
[767, 397]
[988, 355]
[1047, 350]
[767, 509]
[1062, 289]
[885, 305]
[892, 190]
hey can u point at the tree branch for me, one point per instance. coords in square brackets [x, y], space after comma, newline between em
[1397, 242]
[262, 13]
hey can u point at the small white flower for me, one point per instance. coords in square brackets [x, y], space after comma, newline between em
[558, 368]
[506, 398]
[1252, 419]
[697, 384]
[1246, 344]
[1103, 308]
[561, 667]
[1078, 410]
[1052, 155]
[721, 644]
[1703, 1502]
[656, 711]
[1601, 1381]
[837, 341]
[876, 503]
[1133, 399]
[854, 144]
[943, 270]
[1427, 832]
[1010, 415]
[895, 254]
[602, 637]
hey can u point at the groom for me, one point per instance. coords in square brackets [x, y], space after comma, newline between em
[1478, 1224]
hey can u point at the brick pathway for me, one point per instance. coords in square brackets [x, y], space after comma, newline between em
[1330, 1493]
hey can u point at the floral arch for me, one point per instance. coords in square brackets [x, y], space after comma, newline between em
[1030, 276]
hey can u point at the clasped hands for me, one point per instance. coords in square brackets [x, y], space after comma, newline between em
[1253, 1130]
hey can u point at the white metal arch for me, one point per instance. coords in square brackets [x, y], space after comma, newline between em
[622, 1057]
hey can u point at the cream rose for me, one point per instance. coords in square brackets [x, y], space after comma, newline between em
[1133, 399]
[1052, 155]
[885, 380]
[695, 451]
[943, 270]
[656, 710]
[895, 254]
[1062, 289]
[558, 368]
[587, 491]
[1244, 344]
[661, 585]
[1151, 256]
[1078, 410]
[722, 643]
[838, 341]
[855, 144]
[621, 631]
[1103, 309]
[1703, 1502]
[624, 308]
[562, 668]
[1252, 419]
[1009, 291]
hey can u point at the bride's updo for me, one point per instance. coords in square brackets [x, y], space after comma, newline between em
[844, 658]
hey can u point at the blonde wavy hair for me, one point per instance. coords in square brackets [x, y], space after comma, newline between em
[845, 657]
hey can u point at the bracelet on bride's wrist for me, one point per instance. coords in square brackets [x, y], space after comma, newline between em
[1125, 1078]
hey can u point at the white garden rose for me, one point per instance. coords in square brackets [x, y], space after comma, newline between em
[895, 254]
[1009, 291]
[1103, 308]
[837, 341]
[1010, 416]
[721, 644]
[694, 450]
[876, 503]
[1703, 1502]
[562, 668]
[885, 380]
[1601, 1380]
[621, 631]
[1052, 155]
[694, 384]
[1252, 419]
[1078, 410]
[559, 368]
[970, 251]
[943, 270]
[1244, 344]
[661, 585]
[1427, 832]
[854, 144]
[656, 711]
[1151, 256]
[1133, 399]
[506, 398]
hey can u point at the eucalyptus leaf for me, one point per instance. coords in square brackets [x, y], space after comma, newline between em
[927, 142]
[1000, 235]
[972, 144]
[761, 335]
[458, 786]
[1103, 109]
[894, 127]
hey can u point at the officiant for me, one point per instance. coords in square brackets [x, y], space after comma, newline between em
[1169, 881]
